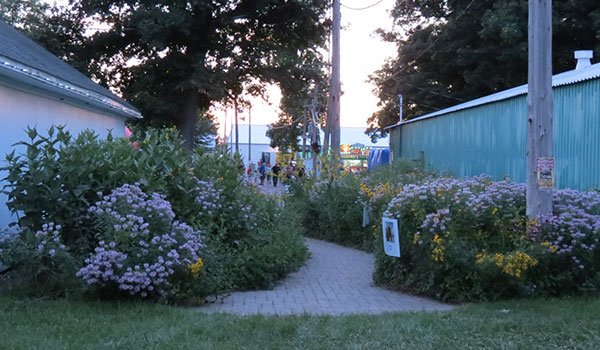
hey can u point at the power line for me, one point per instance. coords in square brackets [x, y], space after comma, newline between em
[362, 8]
[429, 91]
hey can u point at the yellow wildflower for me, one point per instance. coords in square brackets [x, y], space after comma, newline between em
[479, 258]
[196, 267]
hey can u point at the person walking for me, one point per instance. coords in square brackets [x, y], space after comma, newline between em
[249, 172]
[262, 171]
[275, 170]
[269, 173]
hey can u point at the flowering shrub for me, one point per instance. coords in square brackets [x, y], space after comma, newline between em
[43, 257]
[332, 211]
[208, 198]
[469, 238]
[246, 245]
[141, 245]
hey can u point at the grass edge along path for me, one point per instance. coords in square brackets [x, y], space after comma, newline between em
[521, 324]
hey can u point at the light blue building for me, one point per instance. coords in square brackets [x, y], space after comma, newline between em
[488, 135]
[37, 89]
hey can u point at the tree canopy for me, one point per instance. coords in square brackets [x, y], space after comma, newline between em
[454, 51]
[173, 58]
[286, 131]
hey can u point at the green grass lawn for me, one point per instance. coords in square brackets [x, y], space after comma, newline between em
[530, 324]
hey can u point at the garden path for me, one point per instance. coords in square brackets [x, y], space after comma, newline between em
[335, 280]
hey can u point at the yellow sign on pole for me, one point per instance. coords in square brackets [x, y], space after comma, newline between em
[545, 172]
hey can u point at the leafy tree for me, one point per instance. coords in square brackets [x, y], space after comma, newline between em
[285, 133]
[58, 30]
[25, 15]
[206, 130]
[173, 58]
[458, 50]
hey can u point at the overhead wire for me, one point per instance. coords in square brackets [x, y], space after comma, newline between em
[362, 8]
[427, 49]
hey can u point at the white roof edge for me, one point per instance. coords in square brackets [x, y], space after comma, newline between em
[561, 79]
[66, 87]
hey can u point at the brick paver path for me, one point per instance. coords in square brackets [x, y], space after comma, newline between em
[335, 280]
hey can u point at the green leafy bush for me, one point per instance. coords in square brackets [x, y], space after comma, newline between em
[332, 212]
[469, 239]
[333, 207]
[44, 263]
[58, 178]
[270, 254]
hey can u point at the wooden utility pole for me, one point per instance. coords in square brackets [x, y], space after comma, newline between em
[326, 131]
[237, 135]
[314, 139]
[304, 128]
[225, 133]
[335, 89]
[540, 161]
[249, 133]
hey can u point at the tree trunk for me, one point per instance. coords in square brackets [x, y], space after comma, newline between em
[187, 117]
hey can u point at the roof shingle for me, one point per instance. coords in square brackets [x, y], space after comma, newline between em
[19, 48]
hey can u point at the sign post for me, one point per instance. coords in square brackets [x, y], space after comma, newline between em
[391, 243]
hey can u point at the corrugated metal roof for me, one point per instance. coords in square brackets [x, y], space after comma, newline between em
[565, 78]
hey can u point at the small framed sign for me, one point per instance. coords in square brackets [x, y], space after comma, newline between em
[545, 172]
[391, 243]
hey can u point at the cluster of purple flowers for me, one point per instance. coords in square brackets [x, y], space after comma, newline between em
[434, 190]
[572, 229]
[489, 196]
[142, 247]
[434, 224]
[574, 226]
[48, 240]
[6, 239]
[207, 197]
[477, 194]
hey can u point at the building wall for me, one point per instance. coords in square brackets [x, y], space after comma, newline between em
[491, 138]
[256, 150]
[20, 109]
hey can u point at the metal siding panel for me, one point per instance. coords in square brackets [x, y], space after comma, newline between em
[576, 132]
[491, 138]
[485, 140]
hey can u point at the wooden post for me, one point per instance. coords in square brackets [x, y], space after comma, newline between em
[304, 119]
[225, 134]
[539, 109]
[327, 131]
[250, 133]
[315, 128]
[237, 135]
[335, 89]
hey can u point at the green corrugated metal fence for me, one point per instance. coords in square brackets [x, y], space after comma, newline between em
[491, 138]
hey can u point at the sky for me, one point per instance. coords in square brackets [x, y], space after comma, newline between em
[362, 53]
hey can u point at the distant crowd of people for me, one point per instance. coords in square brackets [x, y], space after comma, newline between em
[278, 173]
